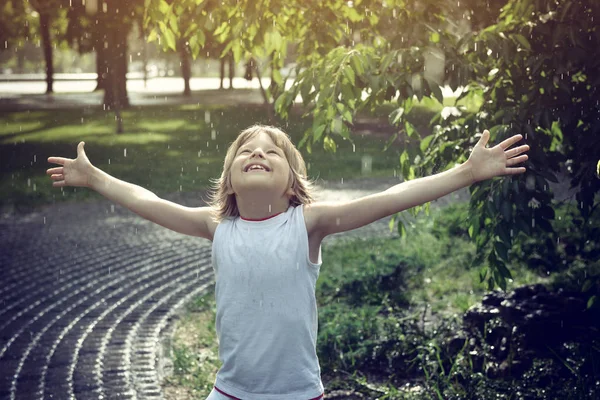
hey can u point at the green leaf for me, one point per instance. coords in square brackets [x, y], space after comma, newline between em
[318, 132]
[329, 144]
[401, 228]
[483, 273]
[170, 39]
[523, 41]
[356, 63]
[164, 7]
[592, 301]
[501, 250]
[349, 74]
[277, 77]
[153, 36]
[410, 128]
[425, 142]
[587, 285]
[434, 37]
[396, 115]
[390, 141]
[345, 112]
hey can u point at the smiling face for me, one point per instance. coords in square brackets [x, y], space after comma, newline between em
[273, 179]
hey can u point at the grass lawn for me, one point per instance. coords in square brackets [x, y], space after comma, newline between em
[164, 149]
[170, 148]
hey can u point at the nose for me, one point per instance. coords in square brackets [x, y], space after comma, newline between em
[258, 152]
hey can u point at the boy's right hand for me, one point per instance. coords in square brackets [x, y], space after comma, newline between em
[75, 172]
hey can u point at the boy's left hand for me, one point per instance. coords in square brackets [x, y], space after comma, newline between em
[487, 163]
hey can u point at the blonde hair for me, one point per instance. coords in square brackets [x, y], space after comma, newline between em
[225, 205]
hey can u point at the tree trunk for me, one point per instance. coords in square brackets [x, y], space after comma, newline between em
[270, 111]
[231, 69]
[101, 66]
[222, 72]
[47, 45]
[186, 70]
[116, 77]
[123, 63]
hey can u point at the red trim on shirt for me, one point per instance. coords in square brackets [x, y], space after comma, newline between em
[246, 219]
[231, 397]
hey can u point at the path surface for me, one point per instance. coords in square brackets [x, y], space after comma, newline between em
[88, 290]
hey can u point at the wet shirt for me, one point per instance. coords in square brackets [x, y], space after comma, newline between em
[266, 308]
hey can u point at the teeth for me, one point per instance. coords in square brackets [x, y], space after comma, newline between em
[256, 167]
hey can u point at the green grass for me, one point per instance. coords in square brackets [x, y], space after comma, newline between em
[164, 149]
[194, 351]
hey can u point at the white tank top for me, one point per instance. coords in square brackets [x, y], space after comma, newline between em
[266, 308]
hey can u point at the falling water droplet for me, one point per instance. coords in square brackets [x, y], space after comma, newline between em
[213, 134]
[207, 116]
[125, 152]
[112, 208]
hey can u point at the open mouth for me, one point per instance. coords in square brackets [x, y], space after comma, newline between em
[257, 168]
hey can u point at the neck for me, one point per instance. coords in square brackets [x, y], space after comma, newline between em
[261, 208]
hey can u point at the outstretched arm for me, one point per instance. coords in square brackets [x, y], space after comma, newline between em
[80, 172]
[483, 163]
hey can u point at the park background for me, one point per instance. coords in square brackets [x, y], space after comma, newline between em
[370, 91]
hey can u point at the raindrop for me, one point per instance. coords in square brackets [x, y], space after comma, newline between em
[207, 116]
[342, 181]
[34, 158]
[213, 134]
[125, 152]
[34, 187]
[269, 208]
[337, 221]
[112, 208]
[353, 148]
[28, 182]
[199, 153]
[180, 188]
[44, 220]
[533, 222]
[109, 161]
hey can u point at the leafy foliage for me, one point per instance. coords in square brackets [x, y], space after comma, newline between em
[523, 66]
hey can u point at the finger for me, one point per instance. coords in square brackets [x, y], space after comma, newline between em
[56, 170]
[57, 177]
[517, 150]
[58, 160]
[517, 160]
[80, 150]
[59, 184]
[510, 141]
